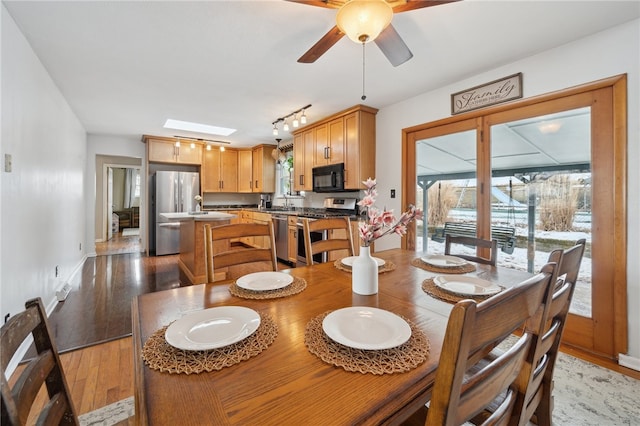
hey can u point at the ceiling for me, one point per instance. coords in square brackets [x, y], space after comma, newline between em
[127, 66]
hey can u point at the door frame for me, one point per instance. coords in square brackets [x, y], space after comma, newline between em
[606, 336]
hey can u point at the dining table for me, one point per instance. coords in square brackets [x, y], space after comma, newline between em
[286, 383]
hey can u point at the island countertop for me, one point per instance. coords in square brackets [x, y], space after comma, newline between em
[200, 216]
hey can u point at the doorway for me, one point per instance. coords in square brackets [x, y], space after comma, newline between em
[552, 169]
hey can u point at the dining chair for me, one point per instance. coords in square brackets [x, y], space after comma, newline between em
[45, 368]
[492, 245]
[226, 261]
[464, 386]
[337, 236]
[538, 397]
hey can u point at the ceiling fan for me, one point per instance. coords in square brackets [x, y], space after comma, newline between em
[364, 21]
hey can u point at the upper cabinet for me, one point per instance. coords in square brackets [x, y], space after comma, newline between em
[220, 170]
[329, 143]
[263, 169]
[245, 171]
[303, 158]
[169, 150]
[347, 137]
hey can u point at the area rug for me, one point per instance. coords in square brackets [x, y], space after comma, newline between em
[109, 415]
[130, 232]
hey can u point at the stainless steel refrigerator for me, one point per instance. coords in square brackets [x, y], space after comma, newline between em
[174, 192]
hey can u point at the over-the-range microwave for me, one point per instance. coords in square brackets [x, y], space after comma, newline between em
[329, 178]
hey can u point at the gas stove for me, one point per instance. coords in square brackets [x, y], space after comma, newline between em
[332, 207]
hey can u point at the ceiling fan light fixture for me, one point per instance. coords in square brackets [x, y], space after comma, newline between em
[363, 20]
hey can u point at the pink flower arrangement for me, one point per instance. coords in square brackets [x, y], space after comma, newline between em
[380, 223]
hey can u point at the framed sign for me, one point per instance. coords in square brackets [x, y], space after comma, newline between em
[494, 92]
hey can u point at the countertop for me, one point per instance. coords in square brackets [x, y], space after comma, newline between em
[201, 216]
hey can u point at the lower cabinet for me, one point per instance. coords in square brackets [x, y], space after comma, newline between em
[292, 227]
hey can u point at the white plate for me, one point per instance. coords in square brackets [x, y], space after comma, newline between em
[443, 261]
[466, 286]
[212, 328]
[348, 261]
[263, 281]
[362, 327]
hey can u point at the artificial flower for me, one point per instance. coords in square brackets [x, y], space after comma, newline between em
[380, 223]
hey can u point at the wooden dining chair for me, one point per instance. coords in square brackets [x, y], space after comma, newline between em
[226, 261]
[465, 386]
[538, 398]
[475, 242]
[45, 368]
[337, 236]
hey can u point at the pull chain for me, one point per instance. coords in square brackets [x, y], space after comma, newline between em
[363, 95]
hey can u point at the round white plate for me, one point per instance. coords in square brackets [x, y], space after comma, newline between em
[212, 328]
[263, 281]
[466, 286]
[362, 327]
[443, 261]
[348, 261]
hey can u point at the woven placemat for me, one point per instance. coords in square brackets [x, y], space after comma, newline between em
[462, 269]
[159, 355]
[298, 285]
[387, 361]
[387, 267]
[429, 287]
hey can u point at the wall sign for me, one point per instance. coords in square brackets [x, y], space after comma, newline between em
[495, 92]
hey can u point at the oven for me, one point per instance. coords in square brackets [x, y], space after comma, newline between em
[302, 253]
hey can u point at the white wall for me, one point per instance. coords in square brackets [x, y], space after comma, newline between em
[606, 54]
[43, 215]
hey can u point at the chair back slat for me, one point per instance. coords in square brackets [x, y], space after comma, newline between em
[479, 243]
[463, 387]
[258, 257]
[327, 244]
[45, 368]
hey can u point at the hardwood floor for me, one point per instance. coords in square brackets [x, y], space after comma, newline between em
[120, 244]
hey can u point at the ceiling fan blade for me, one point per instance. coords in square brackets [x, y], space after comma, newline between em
[393, 47]
[418, 4]
[324, 44]
[330, 4]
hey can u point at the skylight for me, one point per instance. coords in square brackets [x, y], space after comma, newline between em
[197, 127]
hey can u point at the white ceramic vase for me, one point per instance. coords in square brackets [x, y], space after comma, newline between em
[197, 207]
[364, 273]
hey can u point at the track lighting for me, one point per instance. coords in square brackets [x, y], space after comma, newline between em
[295, 123]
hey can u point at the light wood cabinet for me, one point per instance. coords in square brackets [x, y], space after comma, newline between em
[169, 150]
[292, 240]
[263, 169]
[245, 170]
[255, 217]
[329, 143]
[220, 170]
[347, 137]
[303, 157]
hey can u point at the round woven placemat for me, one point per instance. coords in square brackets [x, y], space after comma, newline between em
[387, 267]
[463, 269]
[429, 287]
[159, 355]
[387, 361]
[298, 285]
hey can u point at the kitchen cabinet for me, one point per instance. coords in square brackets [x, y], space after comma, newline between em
[292, 244]
[263, 169]
[170, 150]
[329, 143]
[347, 137]
[245, 170]
[303, 149]
[220, 170]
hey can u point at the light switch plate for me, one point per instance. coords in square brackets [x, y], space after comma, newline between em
[7, 163]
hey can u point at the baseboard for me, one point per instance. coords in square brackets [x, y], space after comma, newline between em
[53, 302]
[629, 362]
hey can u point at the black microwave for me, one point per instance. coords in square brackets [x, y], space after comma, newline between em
[328, 178]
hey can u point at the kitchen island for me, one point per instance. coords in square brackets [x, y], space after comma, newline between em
[192, 257]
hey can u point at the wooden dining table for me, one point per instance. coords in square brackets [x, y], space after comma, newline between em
[287, 384]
